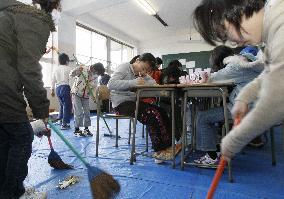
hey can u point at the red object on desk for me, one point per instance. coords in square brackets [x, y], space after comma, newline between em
[219, 171]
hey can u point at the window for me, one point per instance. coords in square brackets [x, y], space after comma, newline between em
[91, 47]
[49, 60]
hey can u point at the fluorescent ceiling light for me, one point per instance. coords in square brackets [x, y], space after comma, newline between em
[146, 6]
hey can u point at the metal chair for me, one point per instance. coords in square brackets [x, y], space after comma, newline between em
[103, 93]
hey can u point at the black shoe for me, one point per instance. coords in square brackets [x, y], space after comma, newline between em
[79, 133]
[87, 132]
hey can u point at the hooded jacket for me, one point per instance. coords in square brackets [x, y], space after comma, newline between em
[239, 72]
[23, 36]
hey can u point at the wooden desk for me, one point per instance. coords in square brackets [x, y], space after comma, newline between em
[154, 91]
[203, 90]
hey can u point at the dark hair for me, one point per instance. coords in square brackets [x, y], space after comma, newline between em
[99, 67]
[171, 74]
[217, 56]
[48, 5]
[134, 59]
[209, 17]
[63, 59]
[159, 61]
[148, 58]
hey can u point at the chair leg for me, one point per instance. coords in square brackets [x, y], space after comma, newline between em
[116, 133]
[273, 156]
[147, 141]
[129, 133]
[98, 135]
[143, 129]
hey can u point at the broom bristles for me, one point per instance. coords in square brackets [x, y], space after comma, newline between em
[104, 186]
[59, 164]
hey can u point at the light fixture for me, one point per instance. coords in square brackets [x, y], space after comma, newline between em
[150, 10]
[146, 6]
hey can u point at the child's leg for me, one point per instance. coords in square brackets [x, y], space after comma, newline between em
[86, 109]
[159, 123]
[78, 111]
[206, 132]
[20, 141]
[58, 94]
[67, 104]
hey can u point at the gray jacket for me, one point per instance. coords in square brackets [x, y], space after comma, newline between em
[239, 72]
[267, 88]
[122, 81]
[23, 36]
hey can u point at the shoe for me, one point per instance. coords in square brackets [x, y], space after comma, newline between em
[32, 194]
[87, 132]
[256, 142]
[157, 161]
[79, 133]
[207, 162]
[65, 126]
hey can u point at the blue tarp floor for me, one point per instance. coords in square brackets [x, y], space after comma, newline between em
[254, 176]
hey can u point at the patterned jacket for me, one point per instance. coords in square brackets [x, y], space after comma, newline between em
[84, 83]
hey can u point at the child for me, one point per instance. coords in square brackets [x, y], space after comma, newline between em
[123, 100]
[228, 68]
[60, 81]
[85, 82]
[23, 36]
[249, 22]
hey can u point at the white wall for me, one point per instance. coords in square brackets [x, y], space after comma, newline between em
[173, 45]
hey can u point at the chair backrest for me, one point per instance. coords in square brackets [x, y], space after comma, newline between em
[102, 93]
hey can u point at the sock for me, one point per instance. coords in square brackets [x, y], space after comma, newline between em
[212, 154]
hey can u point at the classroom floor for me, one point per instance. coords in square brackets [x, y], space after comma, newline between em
[253, 173]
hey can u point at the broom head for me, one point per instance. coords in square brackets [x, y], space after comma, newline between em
[103, 185]
[56, 162]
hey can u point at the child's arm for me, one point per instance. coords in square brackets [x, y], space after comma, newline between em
[118, 81]
[76, 71]
[149, 80]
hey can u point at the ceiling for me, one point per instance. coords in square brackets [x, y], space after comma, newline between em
[127, 17]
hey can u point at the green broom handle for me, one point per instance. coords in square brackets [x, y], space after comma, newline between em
[57, 131]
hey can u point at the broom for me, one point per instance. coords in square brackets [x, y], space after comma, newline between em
[54, 159]
[103, 185]
[219, 171]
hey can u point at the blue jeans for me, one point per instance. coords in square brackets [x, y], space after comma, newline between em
[15, 150]
[64, 97]
[206, 129]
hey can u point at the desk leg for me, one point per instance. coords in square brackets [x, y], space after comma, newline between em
[224, 96]
[173, 127]
[183, 136]
[132, 157]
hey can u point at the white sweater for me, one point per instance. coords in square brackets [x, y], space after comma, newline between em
[268, 88]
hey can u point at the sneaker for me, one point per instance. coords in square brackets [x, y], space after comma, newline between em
[207, 162]
[87, 132]
[65, 126]
[59, 122]
[157, 161]
[79, 133]
[32, 194]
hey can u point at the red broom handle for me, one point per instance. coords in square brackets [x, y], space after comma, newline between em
[219, 171]
[49, 142]
[216, 179]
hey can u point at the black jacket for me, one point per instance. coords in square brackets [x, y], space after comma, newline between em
[23, 36]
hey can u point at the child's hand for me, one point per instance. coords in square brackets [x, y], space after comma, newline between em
[140, 81]
[240, 109]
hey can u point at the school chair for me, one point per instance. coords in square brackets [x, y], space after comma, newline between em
[103, 93]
